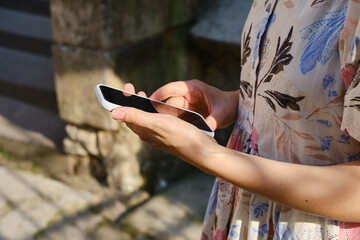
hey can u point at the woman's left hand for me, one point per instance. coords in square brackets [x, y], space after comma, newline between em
[167, 133]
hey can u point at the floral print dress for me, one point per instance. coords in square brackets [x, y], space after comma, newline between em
[299, 103]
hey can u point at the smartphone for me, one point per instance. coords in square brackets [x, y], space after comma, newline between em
[111, 98]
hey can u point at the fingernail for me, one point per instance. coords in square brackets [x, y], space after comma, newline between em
[118, 115]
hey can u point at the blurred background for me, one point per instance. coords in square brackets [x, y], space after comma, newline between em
[68, 171]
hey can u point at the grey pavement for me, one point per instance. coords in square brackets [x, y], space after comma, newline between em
[176, 214]
[33, 207]
[30, 203]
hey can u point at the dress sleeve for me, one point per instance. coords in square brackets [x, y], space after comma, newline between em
[349, 48]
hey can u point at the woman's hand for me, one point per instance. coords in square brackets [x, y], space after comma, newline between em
[218, 107]
[167, 133]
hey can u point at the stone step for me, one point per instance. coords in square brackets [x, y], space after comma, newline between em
[27, 24]
[25, 31]
[27, 77]
[39, 7]
[27, 130]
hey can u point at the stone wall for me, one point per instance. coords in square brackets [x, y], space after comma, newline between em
[147, 43]
[114, 42]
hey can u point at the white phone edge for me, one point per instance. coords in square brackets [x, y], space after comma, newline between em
[110, 106]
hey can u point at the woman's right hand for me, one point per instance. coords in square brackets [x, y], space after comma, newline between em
[218, 107]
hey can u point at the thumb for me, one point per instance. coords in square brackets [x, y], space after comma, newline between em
[131, 115]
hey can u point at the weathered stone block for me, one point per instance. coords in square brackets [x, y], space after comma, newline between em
[148, 65]
[109, 24]
[159, 60]
[86, 138]
[74, 148]
[122, 144]
[78, 165]
[119, 153]
[77, 72]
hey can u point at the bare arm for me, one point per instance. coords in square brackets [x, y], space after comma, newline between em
[331, 191]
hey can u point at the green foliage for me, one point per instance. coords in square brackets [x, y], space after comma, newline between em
[5, 154]
[35, 167]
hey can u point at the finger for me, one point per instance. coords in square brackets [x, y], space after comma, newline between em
[212, 122]
[133, 116]
[141, 93]
[173, 89]
[128, 87]
[177, 101]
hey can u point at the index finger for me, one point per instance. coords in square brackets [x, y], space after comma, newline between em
[173, 89]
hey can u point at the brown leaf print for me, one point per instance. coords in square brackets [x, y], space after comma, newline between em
[325, 3]
[304, 135]
[280, 141]
[330, 109]
[294, 158]
[245, 86]
[284, 100]
[315, 2]
[320, 157]
[291, 116]
[246, 51]
[281, 59]
[277, 127]
[356, 101]
[315, 148]
[289, 4]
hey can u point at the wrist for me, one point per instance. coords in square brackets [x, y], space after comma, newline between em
[209, 156]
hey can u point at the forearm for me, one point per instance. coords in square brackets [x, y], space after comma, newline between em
[331, 191]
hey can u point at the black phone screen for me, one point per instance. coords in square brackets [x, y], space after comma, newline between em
[119, 98]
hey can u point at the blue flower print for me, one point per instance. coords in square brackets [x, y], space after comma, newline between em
[354, 45]
[354, 157]
[283, 232]
[263, 229]
[213, 200]
[328, 87]
[344, 138]
[328, 84]
[332, 94]
[322, 36]
[327, 81]
[234, 232]
[326, 123]
[325, 143]
[277, 215]
[260, 209]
